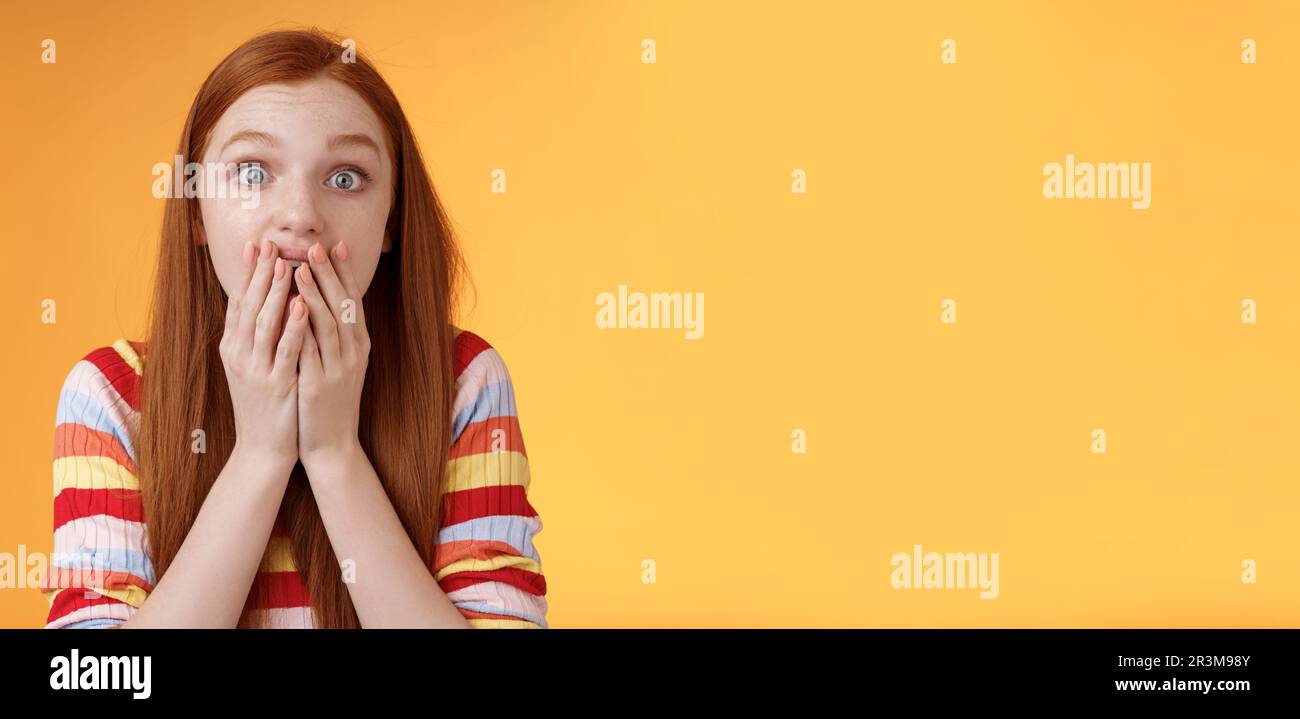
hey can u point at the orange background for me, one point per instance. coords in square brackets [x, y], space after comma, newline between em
[822, 310]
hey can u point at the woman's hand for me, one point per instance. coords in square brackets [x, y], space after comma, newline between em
[335, 353]
[259, 349]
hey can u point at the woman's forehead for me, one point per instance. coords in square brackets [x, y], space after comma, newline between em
[321, 108]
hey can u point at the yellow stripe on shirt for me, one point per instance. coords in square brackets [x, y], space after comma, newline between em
[127, 352]
[132, 594]
[84, 472]
[476, 564]
[487, 469]
[483, 623]
[278, 557]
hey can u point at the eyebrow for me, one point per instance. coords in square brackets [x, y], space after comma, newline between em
[260, 138]
[352, 139]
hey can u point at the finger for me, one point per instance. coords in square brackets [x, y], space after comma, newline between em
[331, 288]
[324, 329]
[267, 330]
[309, 358]
[289, 348]
[342, 259]
[248, 259]
[251, 303]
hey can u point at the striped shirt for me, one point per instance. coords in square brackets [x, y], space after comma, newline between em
[100, 572]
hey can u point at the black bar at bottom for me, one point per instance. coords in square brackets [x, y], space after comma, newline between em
[929, 666]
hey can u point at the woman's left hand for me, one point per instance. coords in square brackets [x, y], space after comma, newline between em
[335, 353]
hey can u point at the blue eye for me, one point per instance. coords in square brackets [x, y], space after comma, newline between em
[252, 174]
[348, 180]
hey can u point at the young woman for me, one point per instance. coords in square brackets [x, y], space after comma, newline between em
[304, 439]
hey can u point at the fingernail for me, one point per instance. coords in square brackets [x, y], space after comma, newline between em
[317, 253]
[249, 251]
[304, 276]
[279, 268]
[299, 309]
[266, 249]
[342, 251]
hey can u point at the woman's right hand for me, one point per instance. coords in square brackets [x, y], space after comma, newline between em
[259, 349]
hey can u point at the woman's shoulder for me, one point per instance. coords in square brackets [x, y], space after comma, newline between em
[479, 368]
[99, 405]
[485, 395]
[121, 353]
[467, 348]
[112, 369]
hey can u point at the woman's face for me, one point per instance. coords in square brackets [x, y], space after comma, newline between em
[316, 152]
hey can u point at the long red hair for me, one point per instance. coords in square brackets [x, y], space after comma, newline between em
[406, 405]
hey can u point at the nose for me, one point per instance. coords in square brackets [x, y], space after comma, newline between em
[295, 214]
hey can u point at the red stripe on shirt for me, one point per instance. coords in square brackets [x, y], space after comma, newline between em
[70, 600]
[283, 590]
[467, 504]
[118, 372]
[76, 503]
[468, 346]
[522, 579]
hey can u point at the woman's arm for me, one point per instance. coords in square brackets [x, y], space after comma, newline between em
[207, 584]
[485, 559]
[101, 574]
[392, 587]
[486, 571]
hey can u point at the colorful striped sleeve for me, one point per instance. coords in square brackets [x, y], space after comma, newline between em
[99, 571]
[485, 559]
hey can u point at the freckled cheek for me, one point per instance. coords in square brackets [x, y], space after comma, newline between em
[362, 228]
[226, 228]
[364, 217]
